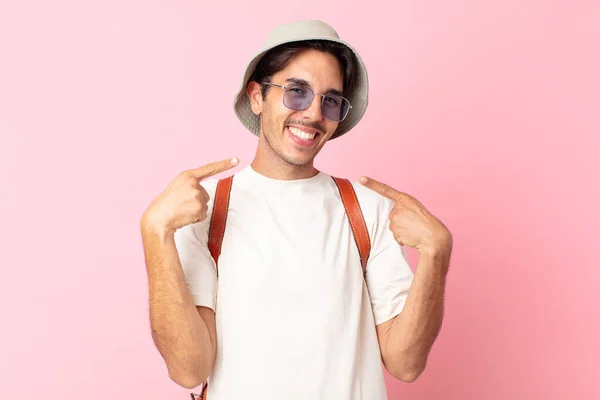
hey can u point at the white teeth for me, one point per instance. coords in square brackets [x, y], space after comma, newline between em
[301, 134]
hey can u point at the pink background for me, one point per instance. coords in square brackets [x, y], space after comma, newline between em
[487, 111]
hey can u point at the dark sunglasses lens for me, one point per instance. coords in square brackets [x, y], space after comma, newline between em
[298, 98]
[335, 108]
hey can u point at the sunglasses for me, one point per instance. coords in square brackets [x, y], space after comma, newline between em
[299, 98]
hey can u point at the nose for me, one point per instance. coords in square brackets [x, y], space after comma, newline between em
[313, 112]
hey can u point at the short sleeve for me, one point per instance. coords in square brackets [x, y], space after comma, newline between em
[197, 262]
[388, 274]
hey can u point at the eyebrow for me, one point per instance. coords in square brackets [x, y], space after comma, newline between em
[298, 81]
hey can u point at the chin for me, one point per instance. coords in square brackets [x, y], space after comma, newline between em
[295, 156]
[298, 161]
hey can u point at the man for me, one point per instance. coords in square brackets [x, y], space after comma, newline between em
[286, 311]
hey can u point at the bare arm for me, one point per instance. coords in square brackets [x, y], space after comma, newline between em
[406, 339]
[183, 333]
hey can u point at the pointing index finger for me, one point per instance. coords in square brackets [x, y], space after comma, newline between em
[214, 168]
[380, 188]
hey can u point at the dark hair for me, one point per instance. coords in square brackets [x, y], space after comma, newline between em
[279, 57]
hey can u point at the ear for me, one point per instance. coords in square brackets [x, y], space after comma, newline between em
[256, 100]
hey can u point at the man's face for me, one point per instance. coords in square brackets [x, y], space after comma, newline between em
[297, 136]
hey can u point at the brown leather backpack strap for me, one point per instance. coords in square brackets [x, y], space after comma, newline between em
[357, 221]
[219, 218]
[203, 392]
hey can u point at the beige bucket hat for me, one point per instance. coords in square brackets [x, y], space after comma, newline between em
[300, 31]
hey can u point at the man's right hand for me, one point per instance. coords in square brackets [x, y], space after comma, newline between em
[184, 201]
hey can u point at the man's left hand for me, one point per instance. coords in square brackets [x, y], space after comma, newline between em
[411, 223]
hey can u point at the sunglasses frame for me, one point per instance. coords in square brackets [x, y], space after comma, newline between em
[315, 94]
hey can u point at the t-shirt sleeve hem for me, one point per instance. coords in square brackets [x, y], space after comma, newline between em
[380, 317]
[205, 300]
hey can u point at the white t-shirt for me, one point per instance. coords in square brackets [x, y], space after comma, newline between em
[295, 318]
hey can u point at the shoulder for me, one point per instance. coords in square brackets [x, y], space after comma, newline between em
[210, 185]
[368, 198]
[373, 205]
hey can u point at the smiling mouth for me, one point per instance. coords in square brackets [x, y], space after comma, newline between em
[301, 134]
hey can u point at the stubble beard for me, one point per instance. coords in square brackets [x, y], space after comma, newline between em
[278, 152]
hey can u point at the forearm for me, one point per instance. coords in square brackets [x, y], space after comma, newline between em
[179, 332]
[410, 336]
